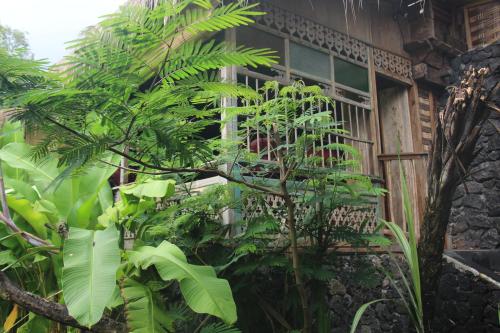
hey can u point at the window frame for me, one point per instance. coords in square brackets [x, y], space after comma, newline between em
[333, 89]
[468, 32]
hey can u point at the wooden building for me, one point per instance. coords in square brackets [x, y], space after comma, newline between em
[385, 64]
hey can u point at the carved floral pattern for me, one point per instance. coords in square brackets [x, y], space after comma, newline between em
[340, 44]
[389, 62]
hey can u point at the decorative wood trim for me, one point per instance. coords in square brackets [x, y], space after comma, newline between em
[295, 27]
[374, 120]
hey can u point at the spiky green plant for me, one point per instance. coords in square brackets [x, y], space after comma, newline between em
[411, 292]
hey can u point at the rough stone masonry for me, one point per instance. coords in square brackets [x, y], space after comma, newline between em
[475, 215]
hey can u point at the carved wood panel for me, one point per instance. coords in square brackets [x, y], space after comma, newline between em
[342, 216]
[341, 45]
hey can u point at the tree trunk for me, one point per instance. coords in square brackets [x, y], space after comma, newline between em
[457, 131]
[292, 234]
[52, 310]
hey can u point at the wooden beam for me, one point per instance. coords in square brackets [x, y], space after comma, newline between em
[403, 156]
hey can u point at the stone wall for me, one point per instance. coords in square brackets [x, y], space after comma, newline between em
[475, 215]
[360, 280]
[467, 301]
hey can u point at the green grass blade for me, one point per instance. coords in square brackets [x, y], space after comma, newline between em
[360, 312]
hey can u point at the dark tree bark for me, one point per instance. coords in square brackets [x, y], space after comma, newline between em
[456, 135]
[52, 310]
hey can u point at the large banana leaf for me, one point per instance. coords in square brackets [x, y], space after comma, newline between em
[151, 188]
[36, 219]
[202, 290]
[74, 197]
[143, 314]
[91, 259]
[17, 155]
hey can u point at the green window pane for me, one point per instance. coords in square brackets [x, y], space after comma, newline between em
[309, 61]
[350, 75]
[259, 39]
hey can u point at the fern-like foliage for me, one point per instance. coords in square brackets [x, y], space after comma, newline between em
[145, 78]
[219, 328]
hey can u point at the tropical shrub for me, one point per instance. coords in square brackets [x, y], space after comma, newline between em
[134, 83]
[66, 216]
[144, 86]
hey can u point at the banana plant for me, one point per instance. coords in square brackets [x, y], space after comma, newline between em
[42, 198]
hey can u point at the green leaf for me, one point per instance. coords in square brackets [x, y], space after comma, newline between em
[7, 258]
[35, 323]
[202, 290]
[92, 189]
[360, 312]
[36, 219]
[11, 132]
[17, 155]
[143, 314]
[151, 188]
[219, 328]
[91, 259]
[39, 258]
[116, 300]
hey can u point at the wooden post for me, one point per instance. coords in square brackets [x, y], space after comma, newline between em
[229, 129]
[374, 119]
[375, 126]
[419, 164]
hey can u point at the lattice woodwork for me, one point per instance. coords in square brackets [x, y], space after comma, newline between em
[274, 206]
[392, 64]
[483, 24]
[340, 44]
[424, 108]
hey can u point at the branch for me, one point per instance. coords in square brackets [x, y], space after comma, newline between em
[51, 310]
[134, 170]
[200, 171]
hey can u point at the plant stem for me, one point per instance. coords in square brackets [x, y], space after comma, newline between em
[292, 235]
[457, 132]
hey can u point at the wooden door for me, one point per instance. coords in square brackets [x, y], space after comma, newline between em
[398, 153]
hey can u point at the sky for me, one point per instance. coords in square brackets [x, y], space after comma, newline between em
[49, 24]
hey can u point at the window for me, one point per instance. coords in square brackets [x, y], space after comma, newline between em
[315, 67]
[483, 24]
[310, 61]
[350, 75]
[259, 39]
